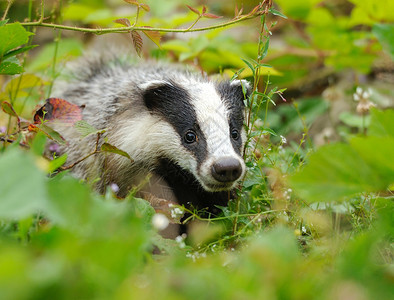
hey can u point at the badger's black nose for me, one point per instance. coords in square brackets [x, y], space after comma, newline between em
[226, 169]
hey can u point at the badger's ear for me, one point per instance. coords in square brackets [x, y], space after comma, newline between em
[243, 86]
[155, 93]
[159, 94]
[236, 91]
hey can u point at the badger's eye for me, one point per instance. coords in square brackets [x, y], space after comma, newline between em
[190, 137]
[235, 134]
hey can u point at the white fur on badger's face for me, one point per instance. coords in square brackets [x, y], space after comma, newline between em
[206, 121]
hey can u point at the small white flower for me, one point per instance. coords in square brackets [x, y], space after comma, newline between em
[176, 212]
[114, 187]
[179, 239]
[356, 97]
[359, 90]
[160, 221]
[284, 141]
[303, 229]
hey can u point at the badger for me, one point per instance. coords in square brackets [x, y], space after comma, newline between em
[180, 126]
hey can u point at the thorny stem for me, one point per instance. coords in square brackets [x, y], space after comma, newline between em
[99, 31]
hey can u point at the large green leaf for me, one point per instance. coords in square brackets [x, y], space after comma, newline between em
[382, 123]
[385, 34]
[334, 172]
[10, 66]
[12, 36]
[22, 185]
[341, 170]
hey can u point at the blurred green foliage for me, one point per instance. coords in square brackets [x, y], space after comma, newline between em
[309, 222]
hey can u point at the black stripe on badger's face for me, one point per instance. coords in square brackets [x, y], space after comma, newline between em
[233, 96]
[173, 103]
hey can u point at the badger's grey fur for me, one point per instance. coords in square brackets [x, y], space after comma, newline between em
[182, 127]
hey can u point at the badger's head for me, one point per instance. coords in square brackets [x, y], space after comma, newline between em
[199, 126]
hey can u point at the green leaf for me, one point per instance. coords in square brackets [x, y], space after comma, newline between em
[38, 144]
[385, 34]
[111, 148]
[18, 51]
[12, 36]
[277, 13]
[57, 163]
[354, 120]
[3, 22]
[10, 66]
[22, 185]
[85, 129]
[250, 65]
[49, 132]
[382, 123]
[378, 153]
[264, 51]
[8, 109]
[334, 172]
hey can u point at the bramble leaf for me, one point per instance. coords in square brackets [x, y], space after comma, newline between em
[154, 36]
[137, 41]
[123, 21]
[59, 110]
[12, 36]
[85, 129]
[111, 148]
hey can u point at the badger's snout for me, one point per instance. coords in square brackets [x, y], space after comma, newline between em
[227, 169]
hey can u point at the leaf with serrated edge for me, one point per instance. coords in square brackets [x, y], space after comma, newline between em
[145, 7]
[49, 132]
[8, 109]
[111, 148]
[123, 21]
[137, 41]
[85, 129]
[154, 36]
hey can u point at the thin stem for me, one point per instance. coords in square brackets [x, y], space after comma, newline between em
[127, 29]
[194, 23]
[7, 9]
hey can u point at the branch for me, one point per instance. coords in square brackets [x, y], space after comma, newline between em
[100, 31]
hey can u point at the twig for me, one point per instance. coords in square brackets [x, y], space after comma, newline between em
[6, 9]
[99, 31]
[96, 151]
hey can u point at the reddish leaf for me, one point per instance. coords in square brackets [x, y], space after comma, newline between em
[137, 41]
[145, 7]
[211, 16]
[8, 109]
[133, 2]
[255, 10]
[204, 9]
[193, 10]
[56, 109]
[237, 12]
[154, 36]
[123, 21]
